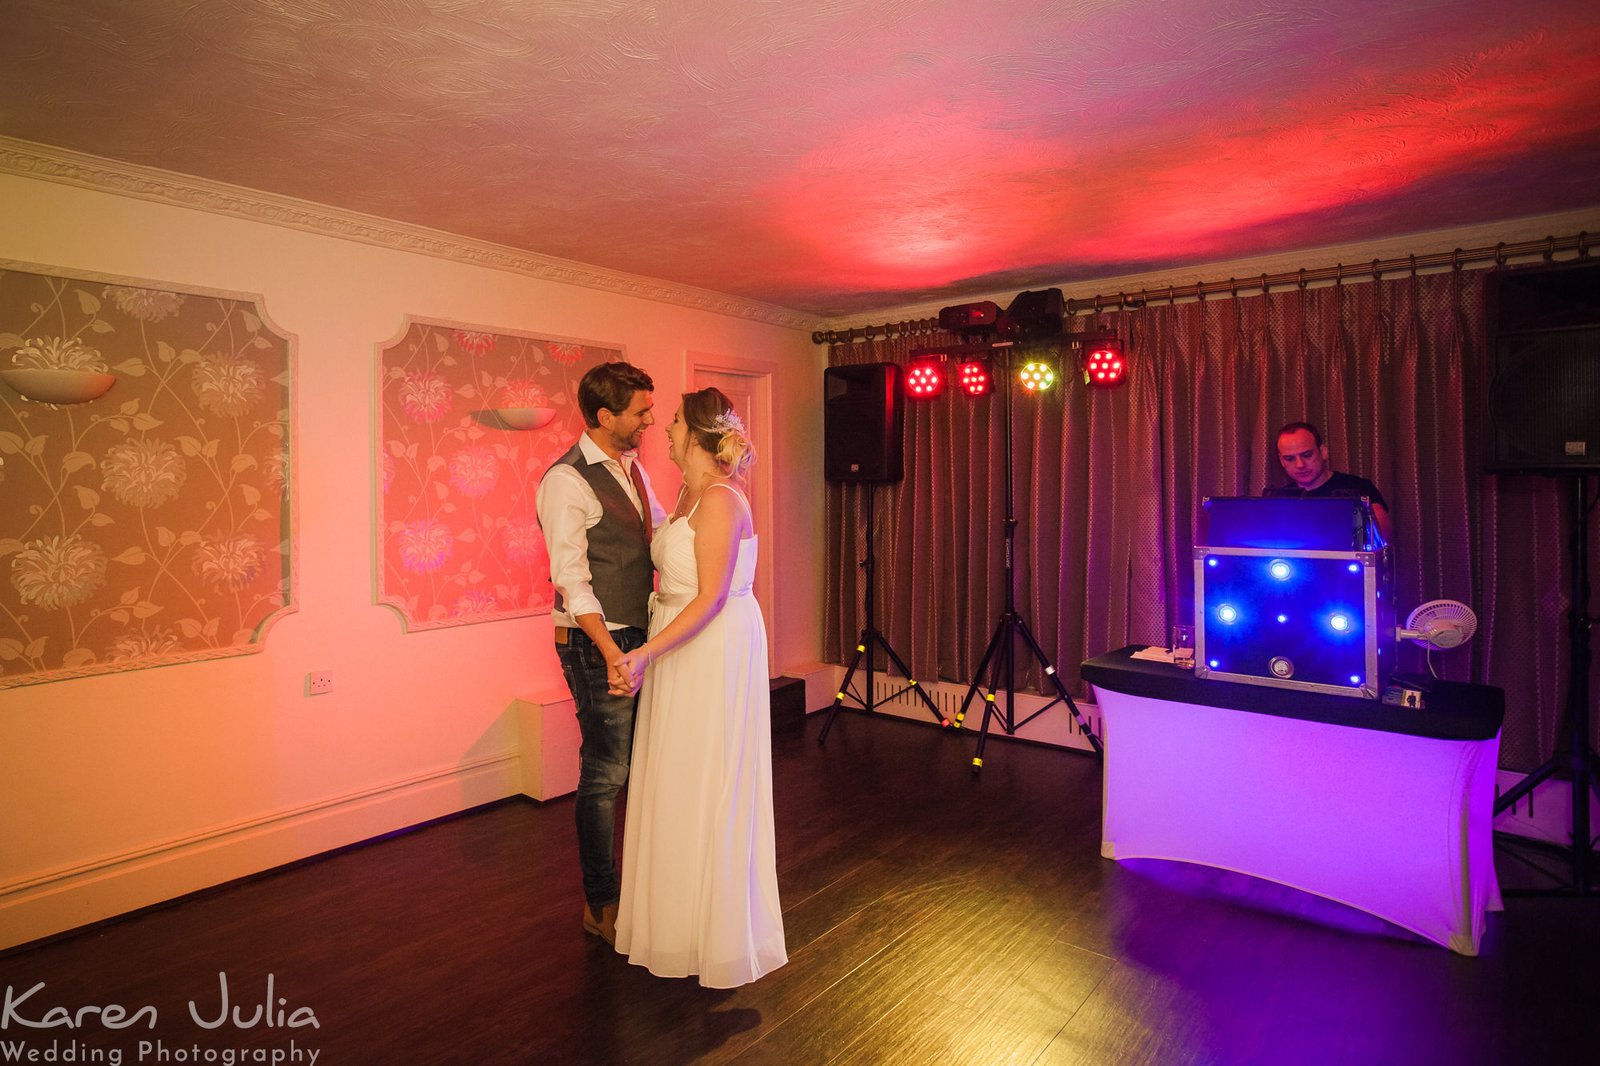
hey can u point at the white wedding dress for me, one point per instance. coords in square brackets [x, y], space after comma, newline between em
[699, 870]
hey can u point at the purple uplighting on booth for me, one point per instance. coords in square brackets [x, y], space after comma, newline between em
[1395, 825]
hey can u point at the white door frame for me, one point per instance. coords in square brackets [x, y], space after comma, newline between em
[761, 373]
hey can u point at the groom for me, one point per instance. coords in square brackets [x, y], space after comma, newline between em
[597, 513]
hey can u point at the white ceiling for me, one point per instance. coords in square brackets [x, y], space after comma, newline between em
[839, 156]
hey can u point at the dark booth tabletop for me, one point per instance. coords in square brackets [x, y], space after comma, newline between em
[1455, 710]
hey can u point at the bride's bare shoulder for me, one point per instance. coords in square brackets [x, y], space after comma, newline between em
[725, 508]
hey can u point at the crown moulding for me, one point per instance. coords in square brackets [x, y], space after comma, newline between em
[66, 167]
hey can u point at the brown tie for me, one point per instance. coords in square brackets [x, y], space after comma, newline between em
[644, 497]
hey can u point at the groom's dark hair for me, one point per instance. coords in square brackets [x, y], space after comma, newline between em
[610, 385]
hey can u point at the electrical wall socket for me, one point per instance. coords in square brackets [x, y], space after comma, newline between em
[319, 683]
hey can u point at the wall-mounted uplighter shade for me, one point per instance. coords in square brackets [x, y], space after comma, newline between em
[58, 385]
[525, 417]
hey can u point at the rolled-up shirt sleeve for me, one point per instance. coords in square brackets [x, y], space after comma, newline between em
[567, 510]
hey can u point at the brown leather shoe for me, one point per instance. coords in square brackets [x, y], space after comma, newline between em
[603, 925]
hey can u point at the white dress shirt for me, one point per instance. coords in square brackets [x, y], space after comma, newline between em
[568, 509]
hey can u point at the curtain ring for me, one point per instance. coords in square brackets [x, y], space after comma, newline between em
[1413, 265]
[1500, 254]
[1172, 292]
[1338, 275]
[1233, 287]
[1550, 249]
[1263, 283]
[1377, 275]
[1583, 244]
[1302, 279]
[1455, 260]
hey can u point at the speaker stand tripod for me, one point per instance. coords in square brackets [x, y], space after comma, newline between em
[865, 645]
[1002, 645]
[1578, 763]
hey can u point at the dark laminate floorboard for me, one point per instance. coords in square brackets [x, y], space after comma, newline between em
[931, 918]
[998, 996]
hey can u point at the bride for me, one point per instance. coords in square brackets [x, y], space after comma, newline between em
[699, 871]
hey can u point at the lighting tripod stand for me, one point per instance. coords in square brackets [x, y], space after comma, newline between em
[1001, 652]
[1578, 762]
[870, 637]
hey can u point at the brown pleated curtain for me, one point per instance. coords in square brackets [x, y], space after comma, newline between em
[1108, 486]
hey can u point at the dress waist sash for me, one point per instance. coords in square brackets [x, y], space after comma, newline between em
[681, 599]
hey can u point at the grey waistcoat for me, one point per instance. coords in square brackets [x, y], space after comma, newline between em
[620, 571]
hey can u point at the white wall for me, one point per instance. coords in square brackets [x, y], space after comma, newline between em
[125, 789]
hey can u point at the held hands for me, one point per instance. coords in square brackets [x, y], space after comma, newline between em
[627, 673]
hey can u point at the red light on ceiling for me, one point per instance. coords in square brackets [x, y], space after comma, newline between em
[974, 378]
[1103, 363]
[924, 380]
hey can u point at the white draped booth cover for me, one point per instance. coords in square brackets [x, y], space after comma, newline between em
[1385, 809]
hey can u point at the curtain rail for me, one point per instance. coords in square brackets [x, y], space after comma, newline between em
[1498, 253]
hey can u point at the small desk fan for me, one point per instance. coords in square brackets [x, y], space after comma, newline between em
[1439, 625]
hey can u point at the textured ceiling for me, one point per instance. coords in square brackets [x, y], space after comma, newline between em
[836, 156]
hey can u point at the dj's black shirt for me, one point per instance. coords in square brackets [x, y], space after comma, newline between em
[1340, 484]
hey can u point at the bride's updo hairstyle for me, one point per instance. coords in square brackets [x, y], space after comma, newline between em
[715, 426]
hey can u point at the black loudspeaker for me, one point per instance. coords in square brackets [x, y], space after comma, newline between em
[1544, 399]
[863, 423]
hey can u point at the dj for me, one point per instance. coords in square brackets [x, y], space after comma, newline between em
[1305, 460]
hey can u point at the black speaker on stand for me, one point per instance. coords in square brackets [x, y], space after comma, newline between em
[1544, 414]
[863, 423]
[863, 437]
[1544, 400]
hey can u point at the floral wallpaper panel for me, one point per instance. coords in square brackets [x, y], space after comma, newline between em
[459, 538]
[152, 525]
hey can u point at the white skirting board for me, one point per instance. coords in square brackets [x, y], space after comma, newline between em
[543, 766]
[55, 901]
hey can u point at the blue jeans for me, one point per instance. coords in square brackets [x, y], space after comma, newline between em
[606, 724]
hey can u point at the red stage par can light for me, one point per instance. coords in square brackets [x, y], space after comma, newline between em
[974, 378]
[925, 380]
[1103, 363]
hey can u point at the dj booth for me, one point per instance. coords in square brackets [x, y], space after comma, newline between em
[1275, 757]
[1386, 809]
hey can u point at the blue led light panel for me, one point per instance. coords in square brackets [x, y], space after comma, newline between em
[1308, 613]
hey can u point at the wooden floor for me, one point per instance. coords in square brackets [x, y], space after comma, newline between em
[931, 918]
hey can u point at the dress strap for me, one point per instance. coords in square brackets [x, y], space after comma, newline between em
[723, 485]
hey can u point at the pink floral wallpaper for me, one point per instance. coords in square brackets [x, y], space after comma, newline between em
[152, 525]
[459, 538]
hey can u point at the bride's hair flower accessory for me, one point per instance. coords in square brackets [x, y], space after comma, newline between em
[727, 421]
